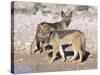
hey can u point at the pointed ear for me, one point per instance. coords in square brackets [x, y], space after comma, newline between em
[50, 30]
[62, 14]
[51, 35]
[70, 14]
[39, 28]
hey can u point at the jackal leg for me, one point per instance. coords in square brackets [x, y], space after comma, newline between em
[81, 55]
[79, 50]
[75, 56]
[62, 53]
[55, 50]
[33, 47]
[74, 45]
[42, 47]
[77, 45]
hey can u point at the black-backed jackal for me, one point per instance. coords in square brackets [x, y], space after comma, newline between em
[75, 38]
[46, 27]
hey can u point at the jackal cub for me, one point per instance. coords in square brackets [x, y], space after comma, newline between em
[75, 38]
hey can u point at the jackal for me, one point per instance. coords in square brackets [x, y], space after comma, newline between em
[46, 27]
[75, 38]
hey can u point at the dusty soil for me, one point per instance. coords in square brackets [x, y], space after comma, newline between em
[38, 62]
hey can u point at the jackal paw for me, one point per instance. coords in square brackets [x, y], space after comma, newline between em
[70, 60]
[63, 59]
[80, 60]
[51, 61]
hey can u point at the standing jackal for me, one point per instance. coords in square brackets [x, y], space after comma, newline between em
[75, 38]
[45, 27]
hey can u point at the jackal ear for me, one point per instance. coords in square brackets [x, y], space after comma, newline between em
[39, 28]
[50, 30]
[51, 35]
[62, 14]
[70, 14]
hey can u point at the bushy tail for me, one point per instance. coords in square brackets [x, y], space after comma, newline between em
[83, 43]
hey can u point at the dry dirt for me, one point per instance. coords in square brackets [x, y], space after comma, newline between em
[38, 62]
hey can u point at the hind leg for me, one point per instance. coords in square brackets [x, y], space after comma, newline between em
[75, 55]
[81, 56]
[80, 51]
[78, 46]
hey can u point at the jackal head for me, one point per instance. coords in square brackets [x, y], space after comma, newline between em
[66, 18]
[43, 32]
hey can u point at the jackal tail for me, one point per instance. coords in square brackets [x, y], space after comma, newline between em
[83, 43]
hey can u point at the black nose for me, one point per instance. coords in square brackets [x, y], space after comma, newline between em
[43, 41]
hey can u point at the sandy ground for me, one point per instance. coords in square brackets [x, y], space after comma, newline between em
[38, 62]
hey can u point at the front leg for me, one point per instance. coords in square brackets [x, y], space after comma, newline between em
[55, 50]
[62, 53]
[33, 47]
[42, 46]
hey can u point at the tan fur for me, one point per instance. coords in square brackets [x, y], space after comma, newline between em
[74, 37]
